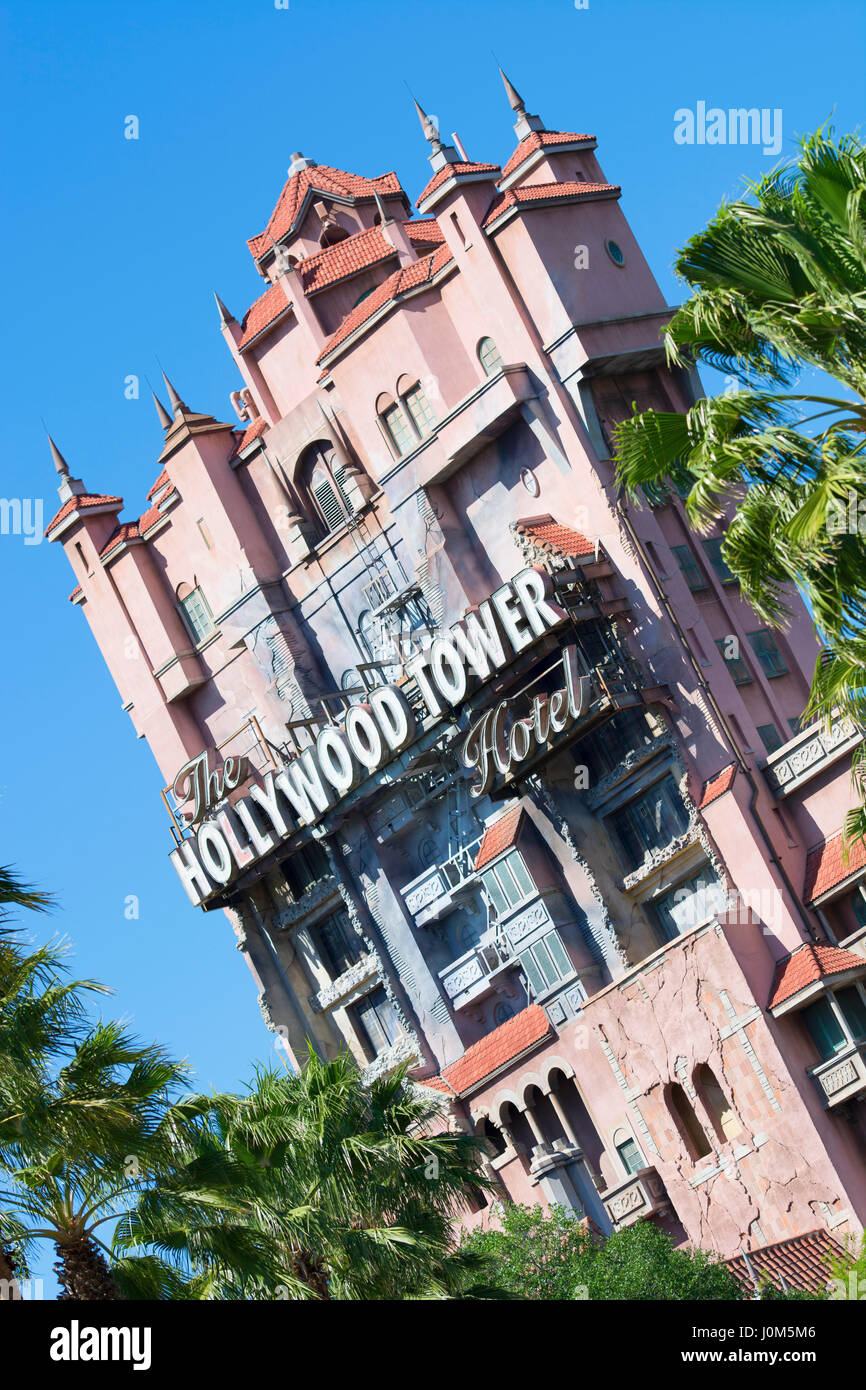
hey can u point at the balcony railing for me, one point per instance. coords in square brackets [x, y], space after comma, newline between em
[473, 975]
[435, 891]
[808, 754]
[640, 1195]
[843, 1077]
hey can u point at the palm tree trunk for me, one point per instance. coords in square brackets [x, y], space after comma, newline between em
[311, 1272]
[84, 1273]
[9, 1286]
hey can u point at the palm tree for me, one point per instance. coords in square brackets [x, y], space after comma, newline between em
[79, 1145]
[779, 285]
[317, 1186]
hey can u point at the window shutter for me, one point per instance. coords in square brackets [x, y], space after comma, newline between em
[328, 502]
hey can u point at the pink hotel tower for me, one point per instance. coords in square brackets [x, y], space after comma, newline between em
[492, 771]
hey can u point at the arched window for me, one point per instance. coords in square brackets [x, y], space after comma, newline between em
[716, 1103]
[628, 1151]
[689, 1126]
[407, 419]
[420, 410]
[332, 234]
[325, 482]
[489, 356]
[196, 612]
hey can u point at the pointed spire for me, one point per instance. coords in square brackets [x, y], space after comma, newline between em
[59, 461]
[174, 400]
[515, 100]
[442, 154]
[164, 418]
[525, 124]
[226, 315]
[431, 134]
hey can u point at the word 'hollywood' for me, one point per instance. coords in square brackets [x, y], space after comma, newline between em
[372, 734]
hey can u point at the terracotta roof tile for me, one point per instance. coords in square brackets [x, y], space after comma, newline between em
[252, 432]
[149, 518]
[802, 1262]
[497, 1048]
[160, 483]
[346, 258]
[535, 192]
[436, 1084]
[805, 966]
[499, 836]
[718, 785]
[450, 171]
[547, 533]
[826, 866]
[402, 281]
[540, 139]
[318, 178]
[127, 531]
[75, 592]
[269, 307]
[424, 231]
[81, 503]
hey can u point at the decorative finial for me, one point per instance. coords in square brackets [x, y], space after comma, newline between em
[515, 100]
[174, 399]
[59, 461]
[431, 133]
[226, 315]
[164, 418]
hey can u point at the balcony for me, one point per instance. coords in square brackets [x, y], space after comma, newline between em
[474, 974]
[481, 416]
[641, 1195]
[438, 890]
[843, 1077]
[357, 980]
[808, 754]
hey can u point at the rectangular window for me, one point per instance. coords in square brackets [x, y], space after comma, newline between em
[694, 900]
[770, 737]
[827, 1032]
[691, 570]
[307, 866]
[630, 1156]
[649, 822]
[421, 411]
[399, 429]
[851, 1003]
[737, 667]
[508, 883]
[713, 552]
[340, 946]
[765, 649]
[546, 963]
[376, 1018]
[197, 614]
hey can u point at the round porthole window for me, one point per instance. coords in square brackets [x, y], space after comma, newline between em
[615, 251]
[530, 482]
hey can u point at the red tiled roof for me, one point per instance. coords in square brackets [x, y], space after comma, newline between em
[805, 966]
[345, 258]
[407, 278]
[535, 192]
[149, 518]
[538, 140]
[499, 836]
[826, 866]
[493, 1051]
[128, 531]
[547, 533]
[436, 1084]
[80, 504]
[424, 231]
[802, 1262]
[716, 786]
[322, 179]
[266, 310]
[160, 483]
[451, 171]
[75, 592]
[250, 433]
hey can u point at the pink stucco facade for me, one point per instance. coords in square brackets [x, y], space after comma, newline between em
[608, 958]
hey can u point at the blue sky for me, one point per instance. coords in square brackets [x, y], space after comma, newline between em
[111, 249]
